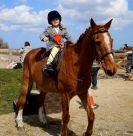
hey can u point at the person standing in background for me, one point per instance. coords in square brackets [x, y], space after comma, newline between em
[95, 69]
[23, 51]
[130, 57]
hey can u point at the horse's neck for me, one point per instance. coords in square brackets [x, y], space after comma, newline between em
[85, 50]
[79, 58]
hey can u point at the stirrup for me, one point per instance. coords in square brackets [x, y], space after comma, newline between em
[49, 69]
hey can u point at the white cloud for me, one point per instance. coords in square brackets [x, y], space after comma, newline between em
[4, 27]
[79, 12]
[100, 10]
[22, 17]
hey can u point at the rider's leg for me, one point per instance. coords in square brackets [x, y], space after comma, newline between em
[51, 57]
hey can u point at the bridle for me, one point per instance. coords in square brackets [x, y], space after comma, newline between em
[101, 58]
[102, 30]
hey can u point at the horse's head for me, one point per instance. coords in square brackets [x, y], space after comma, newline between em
[103, 44]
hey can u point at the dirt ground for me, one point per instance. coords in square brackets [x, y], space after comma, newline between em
[113, 117]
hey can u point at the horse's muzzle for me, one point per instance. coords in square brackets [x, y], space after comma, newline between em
[110, 73]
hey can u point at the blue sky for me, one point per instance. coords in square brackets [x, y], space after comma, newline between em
[25, 20]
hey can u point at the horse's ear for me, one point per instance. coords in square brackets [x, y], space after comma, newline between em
[107, 25]
[92, 23]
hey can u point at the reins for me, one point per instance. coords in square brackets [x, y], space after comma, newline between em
[74, 78]
[100, 59]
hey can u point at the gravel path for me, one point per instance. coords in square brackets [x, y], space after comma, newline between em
[114, 116]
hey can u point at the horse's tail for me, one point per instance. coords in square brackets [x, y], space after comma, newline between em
[27, 83]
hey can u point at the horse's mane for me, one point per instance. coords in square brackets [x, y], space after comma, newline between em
[81, 37]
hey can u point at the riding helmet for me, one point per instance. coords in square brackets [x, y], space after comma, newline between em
[26, 43]
[52, 15]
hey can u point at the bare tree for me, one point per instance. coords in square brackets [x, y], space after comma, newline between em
[3, 44]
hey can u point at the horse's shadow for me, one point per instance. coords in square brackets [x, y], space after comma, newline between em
[53, 126]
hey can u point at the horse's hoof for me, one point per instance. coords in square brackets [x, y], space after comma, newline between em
[85, 134]
[21, 129]
[44, 122]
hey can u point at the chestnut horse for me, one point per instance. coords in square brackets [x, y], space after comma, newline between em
[74, 75]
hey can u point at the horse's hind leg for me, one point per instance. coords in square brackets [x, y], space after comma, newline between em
[25, 89]
[41, 112]
[90, 113]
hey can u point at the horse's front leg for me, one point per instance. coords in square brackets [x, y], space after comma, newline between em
[90, 113]
[41, 111]
[65, 113]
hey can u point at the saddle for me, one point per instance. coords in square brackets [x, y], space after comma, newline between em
[45, 54]
[53, 64]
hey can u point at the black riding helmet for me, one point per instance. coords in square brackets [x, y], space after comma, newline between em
[52, 15]
[26, 43]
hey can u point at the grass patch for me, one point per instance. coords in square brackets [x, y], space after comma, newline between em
[10, 83]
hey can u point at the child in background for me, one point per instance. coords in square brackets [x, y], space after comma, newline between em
[23, 51]
[95, 69]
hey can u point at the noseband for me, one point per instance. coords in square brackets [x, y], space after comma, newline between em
[110, 52]
[101, 58]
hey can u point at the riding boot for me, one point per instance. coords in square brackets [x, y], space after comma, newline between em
[49, 69]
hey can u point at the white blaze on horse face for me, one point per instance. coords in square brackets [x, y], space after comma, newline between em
[19, 118]
[107, 41]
